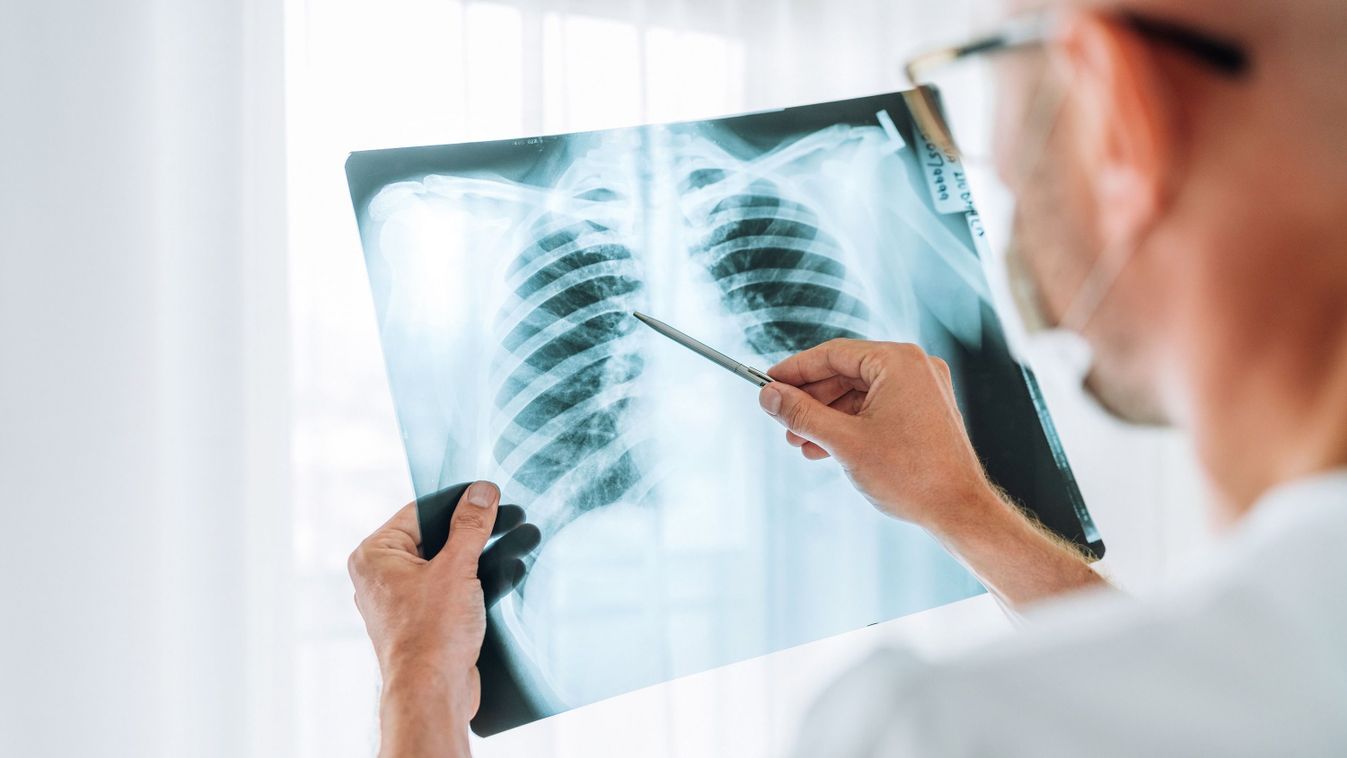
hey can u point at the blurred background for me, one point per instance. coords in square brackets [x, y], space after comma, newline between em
[195, 426]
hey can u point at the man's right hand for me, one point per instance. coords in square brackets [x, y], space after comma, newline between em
[888, 414]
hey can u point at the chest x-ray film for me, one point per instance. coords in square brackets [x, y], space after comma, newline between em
[680, 532]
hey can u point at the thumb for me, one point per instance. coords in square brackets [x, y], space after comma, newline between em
[799, 412]
[470, 528]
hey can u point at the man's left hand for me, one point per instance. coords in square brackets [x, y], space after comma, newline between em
[427, 618]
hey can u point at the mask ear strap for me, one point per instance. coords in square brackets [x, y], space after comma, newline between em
[1023, 292]
[1097, 285]
[1044, 110]
[1104, 276]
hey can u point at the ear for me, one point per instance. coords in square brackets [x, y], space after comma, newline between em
[1124, 121]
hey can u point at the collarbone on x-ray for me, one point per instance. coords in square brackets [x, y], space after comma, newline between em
[680, 533]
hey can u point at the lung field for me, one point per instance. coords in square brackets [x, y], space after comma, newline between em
[779, 271]
[566, 397]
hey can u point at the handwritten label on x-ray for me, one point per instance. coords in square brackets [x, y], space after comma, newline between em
[946, 178]
[979, 232]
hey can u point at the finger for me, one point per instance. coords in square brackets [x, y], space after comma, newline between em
[500, 568]
[802, 414]
[501, 580]
[401, 533]
[795, 440]
[827, 390]
[850, 403]
[404, 522]
[946, 378]
[507, 518]
[840, 357]
[497, 581]
[814, 452]
[515, 544]
[470, 528]
[943, 369]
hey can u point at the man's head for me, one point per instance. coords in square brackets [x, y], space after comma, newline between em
[1216, 198]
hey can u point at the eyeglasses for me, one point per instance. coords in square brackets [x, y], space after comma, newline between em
[1224, 57]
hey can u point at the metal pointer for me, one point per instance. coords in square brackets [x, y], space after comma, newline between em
[758, 378]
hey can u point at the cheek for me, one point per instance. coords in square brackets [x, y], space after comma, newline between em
[1008, 141]
[1051, 240]
[1015, 78]
[1004, 146]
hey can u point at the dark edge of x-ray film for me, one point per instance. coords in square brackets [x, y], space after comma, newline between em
[1006, 418]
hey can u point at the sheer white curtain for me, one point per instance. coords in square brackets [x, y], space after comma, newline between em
[143, 418]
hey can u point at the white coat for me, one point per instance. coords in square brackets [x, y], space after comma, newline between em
[1249, 659]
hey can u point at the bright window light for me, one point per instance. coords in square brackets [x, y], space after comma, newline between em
[691, 75]
[599, 71]
[493, 51]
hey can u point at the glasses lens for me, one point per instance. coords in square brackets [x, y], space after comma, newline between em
[994, 98]
[965, 96]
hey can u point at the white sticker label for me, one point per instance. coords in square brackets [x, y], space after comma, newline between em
[946, 177]
[891, 129]
[979, 232]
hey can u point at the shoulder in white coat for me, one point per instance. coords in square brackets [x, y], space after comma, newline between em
[1250, 659]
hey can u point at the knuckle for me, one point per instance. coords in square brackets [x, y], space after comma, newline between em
[470, 520]
[836, 346]
[797, 415]
[943, 373]
[355, 562]
[902, 355]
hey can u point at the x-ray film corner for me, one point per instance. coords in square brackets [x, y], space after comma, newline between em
[764, 235]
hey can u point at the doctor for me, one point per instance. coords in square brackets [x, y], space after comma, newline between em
[1190, 228]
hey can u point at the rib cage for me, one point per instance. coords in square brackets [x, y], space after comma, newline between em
[570, 364]
[775, 268]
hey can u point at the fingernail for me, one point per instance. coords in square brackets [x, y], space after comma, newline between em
[481, 494]
[770, 400]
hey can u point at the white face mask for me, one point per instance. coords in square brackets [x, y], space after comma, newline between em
[1060, 349]
[1058, 352]
[1060, 356]
[1063, 356]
